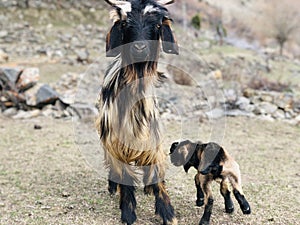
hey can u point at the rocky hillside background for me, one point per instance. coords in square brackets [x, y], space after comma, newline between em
[47, 47]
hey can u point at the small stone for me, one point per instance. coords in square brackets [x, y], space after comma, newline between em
[82, 55]
[215, 113]
[26, 114]
[284, 101]
[3, 56]
[237, 112]
[267, 108]
[65, 194]
[2, 204]
[46, 207]
[279, 114]
[46, 95]
[242, 102]
[37, 127]
[10, 112]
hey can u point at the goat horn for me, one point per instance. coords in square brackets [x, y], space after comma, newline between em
[165, 2]
[124, 5]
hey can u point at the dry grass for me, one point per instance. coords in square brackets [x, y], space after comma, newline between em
[45, 180]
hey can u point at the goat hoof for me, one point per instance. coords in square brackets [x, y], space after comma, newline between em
[128, 217]
[199, 202]
[203, 222]
[229, 210]
[246, 210]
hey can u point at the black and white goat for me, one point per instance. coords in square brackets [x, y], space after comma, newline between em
[128, 116]
[212, 163]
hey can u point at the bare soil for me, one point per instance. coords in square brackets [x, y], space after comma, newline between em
[44, 178]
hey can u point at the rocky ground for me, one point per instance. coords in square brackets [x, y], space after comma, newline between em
[51, 67]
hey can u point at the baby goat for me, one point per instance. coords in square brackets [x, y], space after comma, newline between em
[213, 163]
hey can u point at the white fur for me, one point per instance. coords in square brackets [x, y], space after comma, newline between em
[150, 9]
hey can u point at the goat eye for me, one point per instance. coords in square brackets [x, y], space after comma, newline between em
[158, 26]
[123, 23]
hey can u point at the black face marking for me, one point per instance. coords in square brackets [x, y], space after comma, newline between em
[139, 32]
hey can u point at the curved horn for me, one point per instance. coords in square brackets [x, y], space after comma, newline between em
[123, 5]
[165, 2]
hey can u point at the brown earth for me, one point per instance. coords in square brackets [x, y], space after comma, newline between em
[44, 178]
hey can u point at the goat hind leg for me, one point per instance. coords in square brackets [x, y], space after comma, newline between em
[244, 205]
[224, 189]
[238, 194]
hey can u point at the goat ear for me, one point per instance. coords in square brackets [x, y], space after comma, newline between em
[114, 40]
[169, 43]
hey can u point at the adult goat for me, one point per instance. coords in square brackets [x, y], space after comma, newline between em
[128, 116]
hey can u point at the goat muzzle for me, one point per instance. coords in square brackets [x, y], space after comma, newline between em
[139, 51]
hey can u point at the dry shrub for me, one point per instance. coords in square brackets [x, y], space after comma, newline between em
[179, 76]
[263, 83]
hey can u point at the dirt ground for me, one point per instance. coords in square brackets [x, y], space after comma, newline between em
[45, 179]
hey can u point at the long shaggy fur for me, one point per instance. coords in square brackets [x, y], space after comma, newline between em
[128, 123]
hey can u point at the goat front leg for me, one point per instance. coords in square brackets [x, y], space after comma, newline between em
[154, 183]
[127, 196]
[200, 194]
[163, 205]
[224, 189]
[205, 181]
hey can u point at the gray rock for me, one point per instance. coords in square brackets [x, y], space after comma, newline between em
[266, 97]
[215, 113]
[267, 118]
[27, 114]
[279, 114]
[231, 95]
[10, 112]
[242, 102]
[267, 108]
[82, 55]
[46, 95]
[284, 101]
[11, 74]
[237, 112]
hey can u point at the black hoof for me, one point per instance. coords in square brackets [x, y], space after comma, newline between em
[247, 210]
[165, 210]
[229, 210]
[199, 202]
[128, 217]
[203, 222]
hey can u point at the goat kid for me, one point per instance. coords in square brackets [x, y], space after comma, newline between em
[212, 163]
[128, 115]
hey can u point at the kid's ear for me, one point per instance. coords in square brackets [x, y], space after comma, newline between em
[114, 40]
[169, 43]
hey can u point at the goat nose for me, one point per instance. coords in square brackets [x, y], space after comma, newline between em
[139, 46]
